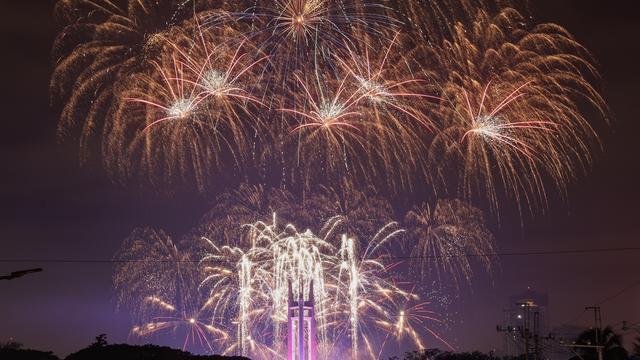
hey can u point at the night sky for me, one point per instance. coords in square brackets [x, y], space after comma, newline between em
[52, 208]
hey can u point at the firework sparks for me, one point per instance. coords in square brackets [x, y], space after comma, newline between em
[102, 44]
[351, 286]
[193, 116]
[153, 269]
[197, 331]
[246, 271]
[295, 30]
[510, 121]
[448, 238]
[492, 127]
[327, 113]
[408, 320]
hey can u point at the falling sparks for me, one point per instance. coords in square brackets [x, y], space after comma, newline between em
[511, 124]
[350, 284]
[239, 286]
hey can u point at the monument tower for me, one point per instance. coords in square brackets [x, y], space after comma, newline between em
[301, 331]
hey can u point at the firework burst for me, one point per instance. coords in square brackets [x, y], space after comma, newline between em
[408, 319]
[510, 119]
[297, 31]
[198, 332]
[396, 103]
[102, 43]
[450, 237]
[193, 116]
[365, 120]
[152, 269]
[329, 130]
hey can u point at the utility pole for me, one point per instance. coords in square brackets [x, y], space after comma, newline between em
[536, 335]
[526, 331]
[509, 331]
[598, 328]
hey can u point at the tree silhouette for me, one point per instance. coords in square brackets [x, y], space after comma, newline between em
[436, 354]
[11, 345]
[101, 341]
[636, 346]
[14, 350]
[100, 350]
[612, 342]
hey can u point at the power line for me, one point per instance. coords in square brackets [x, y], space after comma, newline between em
[604, 300]
[494, 254]
[527, 253]
[622, 291]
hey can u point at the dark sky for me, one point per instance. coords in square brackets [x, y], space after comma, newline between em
[53, 208]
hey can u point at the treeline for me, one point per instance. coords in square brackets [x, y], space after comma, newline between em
[611, 342]
[100, 350]
[436, 354]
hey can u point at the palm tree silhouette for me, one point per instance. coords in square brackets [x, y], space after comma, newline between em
[612, 342]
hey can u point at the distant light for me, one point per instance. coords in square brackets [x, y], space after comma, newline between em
[192, 320]
[519, 316]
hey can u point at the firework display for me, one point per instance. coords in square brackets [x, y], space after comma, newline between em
[510, 121]
[483, 105]
[309, 121]
[225, 284]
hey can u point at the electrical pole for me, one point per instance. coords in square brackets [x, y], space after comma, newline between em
[509, 331]
[536, 334]
[598, 328]
[526, 331]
